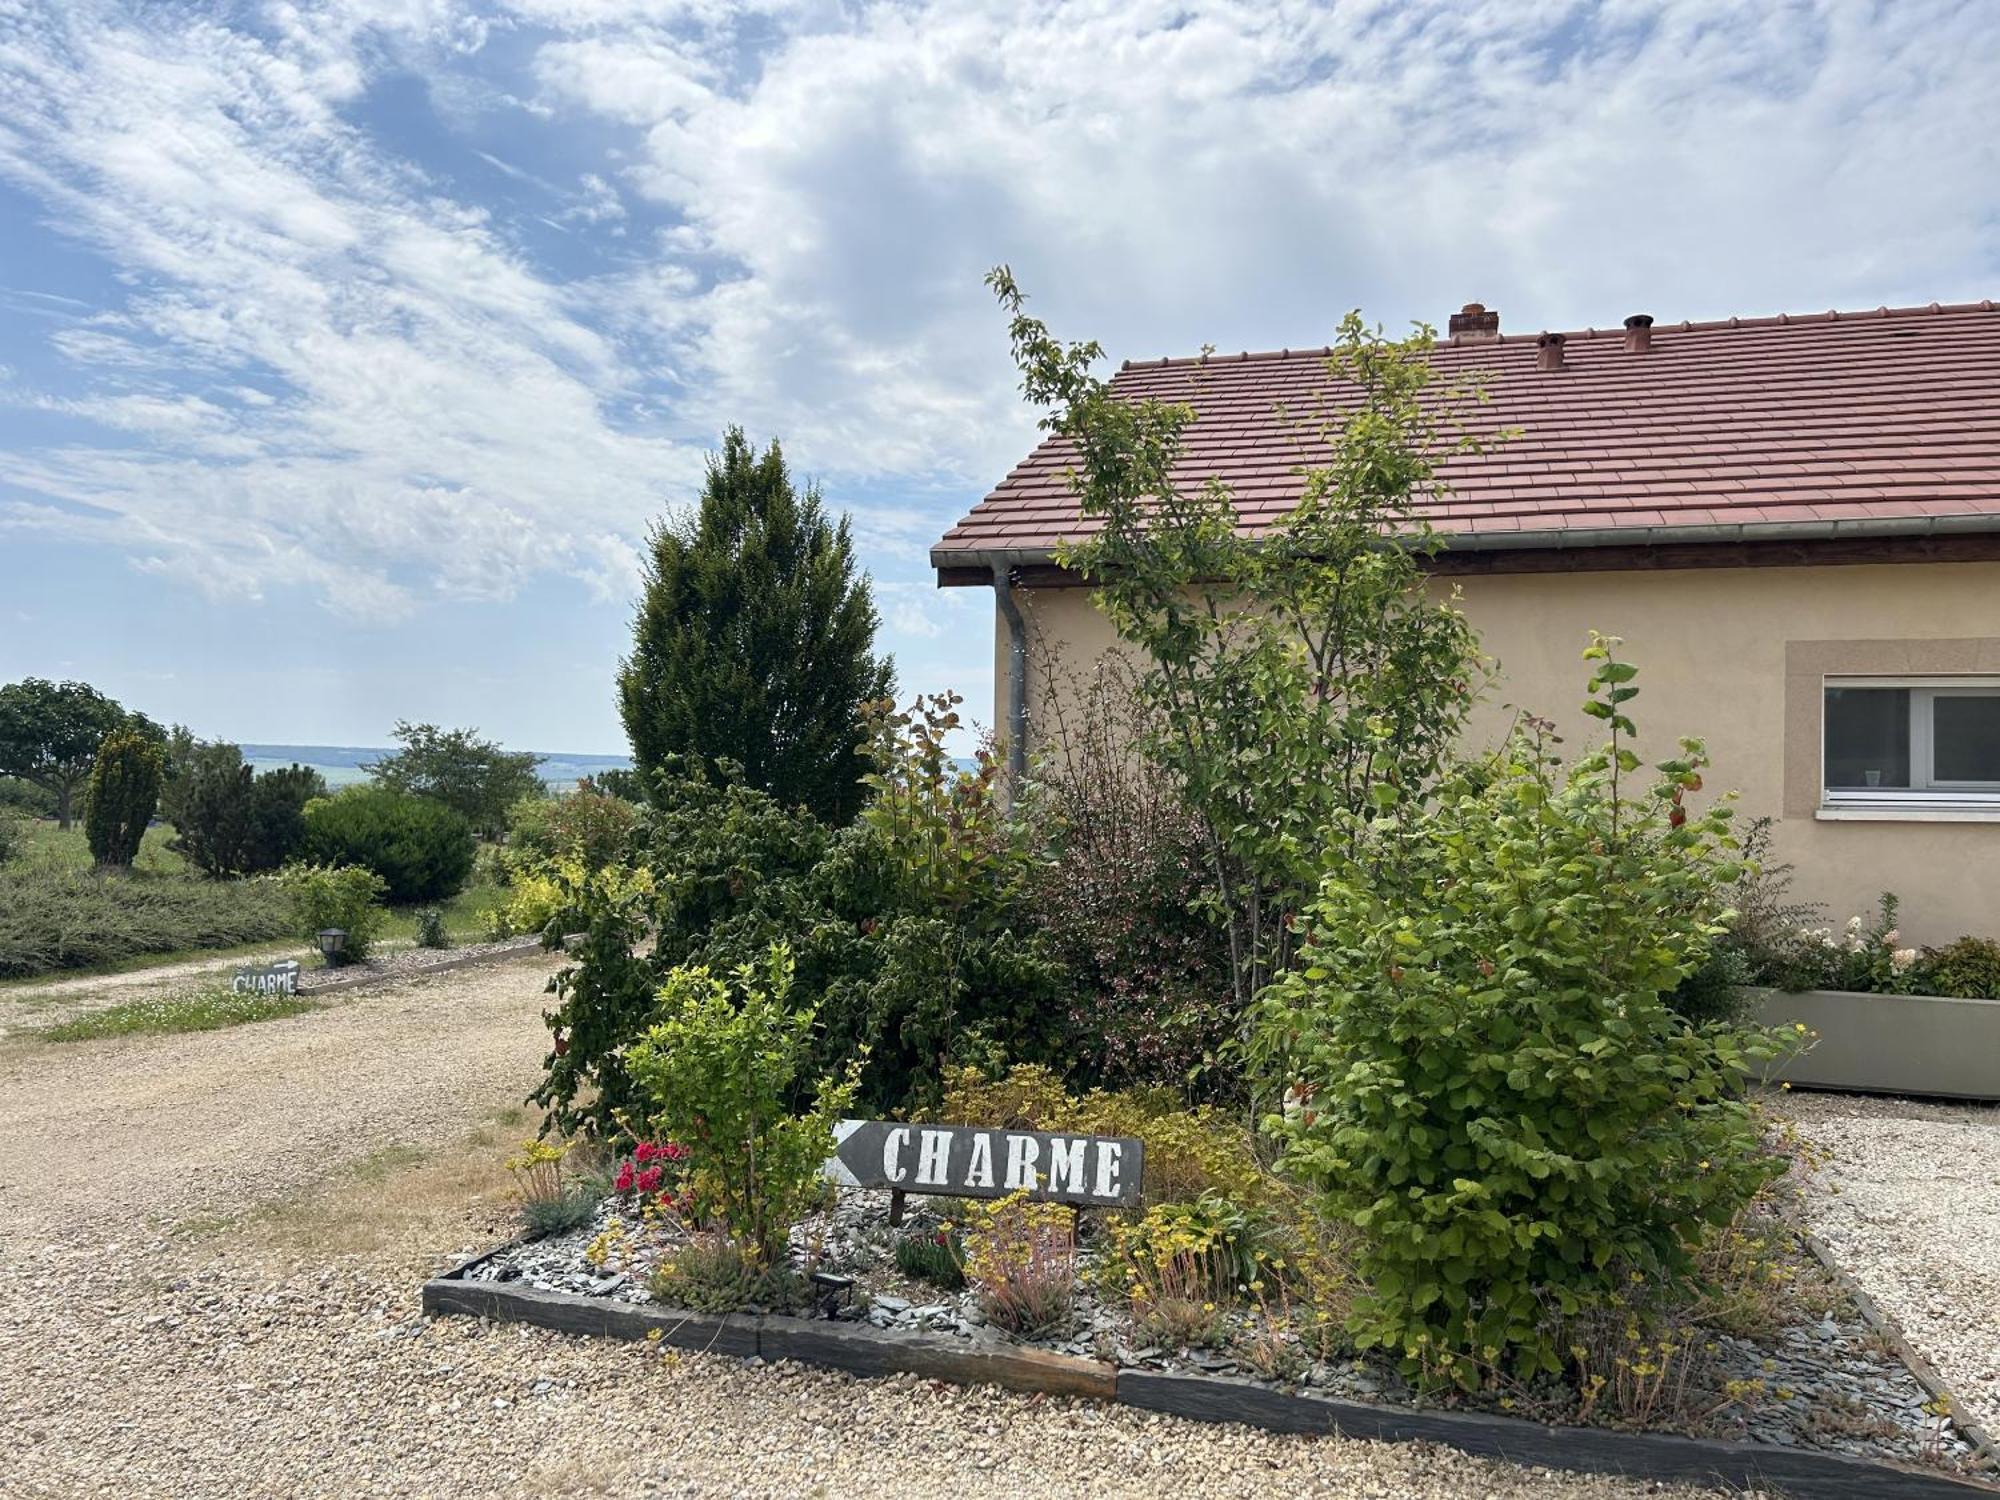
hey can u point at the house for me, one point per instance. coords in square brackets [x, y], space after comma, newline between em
[1793, 521]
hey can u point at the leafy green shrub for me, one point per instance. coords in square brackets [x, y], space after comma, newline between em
[714, 1273]
[717, 1072]
[1480, 1069]
[1968, 969]
[11, 837]
[1190, 1153]
[908, 928]
[54, 917]
[421, 849]
[26, 798]
[430, 929]
[124, 790]
[586, 825]
[347, 897]
[934, 1256]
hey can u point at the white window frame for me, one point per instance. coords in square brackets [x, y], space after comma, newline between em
[1925, 797]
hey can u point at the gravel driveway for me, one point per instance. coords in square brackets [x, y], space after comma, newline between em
[1913, 1212]
[210, 1248]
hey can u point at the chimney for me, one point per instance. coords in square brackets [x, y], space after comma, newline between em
[1473, 324]
[1638, 333]
[1549, 352]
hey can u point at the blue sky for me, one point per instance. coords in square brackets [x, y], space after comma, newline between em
[347, 349]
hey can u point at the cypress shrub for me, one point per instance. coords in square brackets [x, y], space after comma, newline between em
[422, 849]
[124, 790]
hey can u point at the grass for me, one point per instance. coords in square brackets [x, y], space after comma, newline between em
[60, 917]
[207, 1010]
[464, 915]
[43, 841]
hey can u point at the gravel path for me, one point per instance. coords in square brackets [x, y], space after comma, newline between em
[1913, 1212]
[282, 1352]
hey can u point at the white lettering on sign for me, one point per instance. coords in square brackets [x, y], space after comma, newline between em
[933, 1157]
[1109, 1156]
[1066, 1164]
[1023, 1152]
[892, 1155]
[979, 1171]
[988, 1162]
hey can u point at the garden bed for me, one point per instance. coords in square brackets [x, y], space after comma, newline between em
[1926, 1045]
[1826, 1405]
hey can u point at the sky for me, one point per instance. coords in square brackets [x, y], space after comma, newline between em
[349, 349]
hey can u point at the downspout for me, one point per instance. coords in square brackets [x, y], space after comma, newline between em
[1017, 674]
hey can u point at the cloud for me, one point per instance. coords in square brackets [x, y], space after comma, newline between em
[429, 416]
[326, 359]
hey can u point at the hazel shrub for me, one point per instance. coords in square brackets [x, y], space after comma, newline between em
[1479, 1067]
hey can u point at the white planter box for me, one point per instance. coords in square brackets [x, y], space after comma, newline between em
[1891, 1044]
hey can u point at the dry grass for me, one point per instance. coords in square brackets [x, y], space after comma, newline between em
[399, 1203]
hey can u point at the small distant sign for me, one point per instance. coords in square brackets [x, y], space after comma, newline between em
[271, 979]
[970, 1161]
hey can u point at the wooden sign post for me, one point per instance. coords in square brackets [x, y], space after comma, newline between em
[970, 1161]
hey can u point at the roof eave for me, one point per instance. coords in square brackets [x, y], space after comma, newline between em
[964, 560]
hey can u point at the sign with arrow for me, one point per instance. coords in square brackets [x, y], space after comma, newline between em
[970, 1161]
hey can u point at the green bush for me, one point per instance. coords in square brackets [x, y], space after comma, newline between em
[230, 820]
[422, 849]
[1968, 969]
[346, 897]
[54, 917]
[909, 929]
[11, 836]
[124, 790]
[430, 929]
[1481, 1072]
[585, 824]
[717, 1073]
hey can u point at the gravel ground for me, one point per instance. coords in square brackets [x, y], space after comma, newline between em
[282, 1353]
[31, 1006]
[1912, 1210]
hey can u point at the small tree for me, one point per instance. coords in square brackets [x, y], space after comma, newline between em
[50, 733]
[755, 640]
[473, 777]
[718, 1072]
[124, 790]
[1292, 677]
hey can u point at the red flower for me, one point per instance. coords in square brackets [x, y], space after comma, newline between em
[649, 1180]
[624, 1182]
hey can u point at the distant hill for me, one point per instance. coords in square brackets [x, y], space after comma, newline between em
[341, 764]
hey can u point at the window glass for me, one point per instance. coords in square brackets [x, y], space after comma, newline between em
[1867, 737]
[1966, 737]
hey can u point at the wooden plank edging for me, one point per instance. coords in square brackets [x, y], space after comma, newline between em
[864, 1350]
[1892, 1334]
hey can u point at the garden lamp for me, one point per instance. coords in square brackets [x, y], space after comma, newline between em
[332, 943]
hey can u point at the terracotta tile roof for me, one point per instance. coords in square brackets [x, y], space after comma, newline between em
[1829, 423]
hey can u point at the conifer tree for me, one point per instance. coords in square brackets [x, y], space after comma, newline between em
[124, 790]
[754, 642]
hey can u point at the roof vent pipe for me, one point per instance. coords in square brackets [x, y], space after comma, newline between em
[1638, 333]
[1549, 352]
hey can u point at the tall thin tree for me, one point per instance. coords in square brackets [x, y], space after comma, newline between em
[754, 640]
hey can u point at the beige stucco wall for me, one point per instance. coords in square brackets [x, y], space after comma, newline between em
[1734, 655]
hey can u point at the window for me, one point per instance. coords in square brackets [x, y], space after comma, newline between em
[1912, 743]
